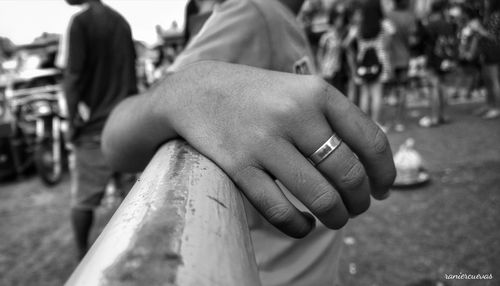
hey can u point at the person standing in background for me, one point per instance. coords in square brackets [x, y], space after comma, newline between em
[100, 72]
[331, 56]
[372, 64]
[469, 55]
[490, 55]
[442, 54]
[405, 24]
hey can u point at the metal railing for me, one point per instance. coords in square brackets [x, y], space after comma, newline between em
[183, 223]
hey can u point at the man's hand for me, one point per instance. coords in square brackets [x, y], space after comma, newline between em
[258, 125]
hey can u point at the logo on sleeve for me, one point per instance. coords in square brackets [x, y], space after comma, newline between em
[303, 66]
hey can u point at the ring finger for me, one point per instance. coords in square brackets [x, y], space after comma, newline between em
[341, 167]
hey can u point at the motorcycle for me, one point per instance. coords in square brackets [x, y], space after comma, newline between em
[36, 101]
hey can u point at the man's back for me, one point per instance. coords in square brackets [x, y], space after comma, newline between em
[101, 63]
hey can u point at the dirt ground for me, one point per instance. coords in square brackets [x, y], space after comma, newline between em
[450, 226]
[36, 243]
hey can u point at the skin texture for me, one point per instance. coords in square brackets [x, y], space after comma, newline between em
[258, 125]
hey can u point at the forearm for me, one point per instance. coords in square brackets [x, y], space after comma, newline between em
[72, 95]
[139, 125]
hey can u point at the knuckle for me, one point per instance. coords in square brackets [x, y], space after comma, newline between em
[320, 88]
[330, 96]
[319, 82]
[280, 215]
[353, 177]
[262, 140]
[288, 108]
[325, 202]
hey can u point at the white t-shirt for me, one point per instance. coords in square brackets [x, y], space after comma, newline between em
[266, 34]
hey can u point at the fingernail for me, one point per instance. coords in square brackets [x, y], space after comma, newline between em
[383, 196]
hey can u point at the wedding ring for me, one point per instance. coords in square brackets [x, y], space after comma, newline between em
[325, 150]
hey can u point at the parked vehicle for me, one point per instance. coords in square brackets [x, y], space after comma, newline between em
[38, 107]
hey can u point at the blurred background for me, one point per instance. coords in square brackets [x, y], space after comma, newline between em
[443, 216]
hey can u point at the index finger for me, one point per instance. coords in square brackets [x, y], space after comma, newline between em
[364, 137]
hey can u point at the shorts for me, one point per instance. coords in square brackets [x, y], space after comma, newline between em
[90, 175]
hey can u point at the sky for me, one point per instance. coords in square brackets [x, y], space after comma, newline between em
[23, 20]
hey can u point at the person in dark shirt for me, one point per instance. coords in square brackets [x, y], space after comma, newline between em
[405, 24]
[100, 72]
[441, 52]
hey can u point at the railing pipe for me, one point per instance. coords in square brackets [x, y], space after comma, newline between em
[183, 223]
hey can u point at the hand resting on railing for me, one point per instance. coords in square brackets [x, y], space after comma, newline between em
[259, 125]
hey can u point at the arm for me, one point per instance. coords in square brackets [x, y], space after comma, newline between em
[258, 125]
[478, 28]
[74, 70]
[350, 38]
[387, 38]
[385, 58]
[351, 51]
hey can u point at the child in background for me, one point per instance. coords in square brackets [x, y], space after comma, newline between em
[370, 41]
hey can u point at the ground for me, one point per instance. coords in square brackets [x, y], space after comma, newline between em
[450, 226]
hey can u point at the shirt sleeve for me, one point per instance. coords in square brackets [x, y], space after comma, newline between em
[62, 54]
[236, 33]
[75, 67]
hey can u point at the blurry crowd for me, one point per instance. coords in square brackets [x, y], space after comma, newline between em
[374, 52]
[395, 52]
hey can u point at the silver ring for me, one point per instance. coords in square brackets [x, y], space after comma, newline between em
[325, 150]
